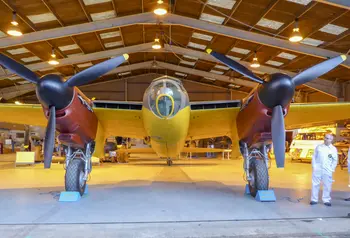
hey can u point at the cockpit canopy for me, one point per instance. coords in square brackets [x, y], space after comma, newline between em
[165, 97]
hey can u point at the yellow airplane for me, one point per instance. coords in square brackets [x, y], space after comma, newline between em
[168, 118]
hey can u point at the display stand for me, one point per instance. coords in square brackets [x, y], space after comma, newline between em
[25, 158]
[68, 196]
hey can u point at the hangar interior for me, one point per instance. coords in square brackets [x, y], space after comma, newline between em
[168, 40]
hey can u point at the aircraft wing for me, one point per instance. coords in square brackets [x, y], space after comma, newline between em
[313, 114]
[29, 114]
[147, 150]
[212, 119]
[120, 118]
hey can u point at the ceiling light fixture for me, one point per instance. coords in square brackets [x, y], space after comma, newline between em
[255, 62]
[53, 60]
[18, 103]
[295, 36]
[14, 29]
[156, 45]
[160, 10]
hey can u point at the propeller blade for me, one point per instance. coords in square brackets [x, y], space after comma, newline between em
[18, 69]
[278, 135]
[318, 70]
[96, 71]
[235, 66]
[50, 138]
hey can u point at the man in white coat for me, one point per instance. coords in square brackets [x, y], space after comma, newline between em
[324, 162]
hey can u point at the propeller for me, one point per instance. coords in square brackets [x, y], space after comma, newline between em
[278, 92]
[56, 94]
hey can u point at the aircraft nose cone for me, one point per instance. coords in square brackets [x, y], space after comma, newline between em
[278, 91]
[52, 91]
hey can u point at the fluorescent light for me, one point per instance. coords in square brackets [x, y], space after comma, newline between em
[24, 82]
[221, 67]
[190, 57]
[216, 71]
[2, 34]
[313, 42]
[285, 55]
[113, 44]
[84, 65]
[333, 29]
[302, 2]
[68, 47]
[264, 22]
[233, 57]
[195, 45]
[180, 74]
[103, 15]
[124, 73]
[110, 34]
[240, 50]
[91, 2]
[274, 63]
[187, 62]
[211, 79]
[18, 51]
[14, 77]
[228, 4]
[202, 36]
[40, 18]
[31, 59]
[212, 18]
[234, 85]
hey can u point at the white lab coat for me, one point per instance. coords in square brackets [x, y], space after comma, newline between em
[324, 162]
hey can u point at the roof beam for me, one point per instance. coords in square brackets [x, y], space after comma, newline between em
[322, 85]
[172, 19]
[338, 3]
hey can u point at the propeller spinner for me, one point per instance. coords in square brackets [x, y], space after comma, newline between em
[55, 93]
[278, 92]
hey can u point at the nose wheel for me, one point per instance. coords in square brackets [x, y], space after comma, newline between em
[169, 162]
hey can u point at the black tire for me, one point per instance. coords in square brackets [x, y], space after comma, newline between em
[72, 177]
[260, 176]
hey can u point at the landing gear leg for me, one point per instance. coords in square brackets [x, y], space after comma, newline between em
[169, 162]
[78, 168]
[256, 168]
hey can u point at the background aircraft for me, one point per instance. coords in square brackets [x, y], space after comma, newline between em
[167, 117]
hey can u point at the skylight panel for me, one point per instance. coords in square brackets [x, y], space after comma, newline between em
[18, 51]
[180, 74]
[2, 34]
[202, 36]
[84, 65]
[212, 18]
[285, 55]
[216, 71]
[68, 47]
[302, 2]
[310, 41]
[195, 45]
[333, 29]
[228, 4]
[114, 44]
[190, 57]
[92, 2]
[103, 15]
[124, 73]
[24, 82]
[14, 77]
[221, 67]
[31, 59]
[240, 50]
[40, 18]
[234, 85]
[187, 62]
[110, 34]
[233, 57]
[77, 54]
[274, 63]
[264, 22]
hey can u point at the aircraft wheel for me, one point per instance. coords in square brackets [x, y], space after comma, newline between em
[74, 178]
[169, 162]
[259, 176]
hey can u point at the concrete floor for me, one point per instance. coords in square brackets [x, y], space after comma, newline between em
[145, 198]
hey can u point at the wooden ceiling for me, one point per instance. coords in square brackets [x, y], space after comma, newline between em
[244, 15]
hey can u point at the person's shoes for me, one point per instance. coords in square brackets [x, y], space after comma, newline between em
[328, 204]
[313, 203]
[347, 199]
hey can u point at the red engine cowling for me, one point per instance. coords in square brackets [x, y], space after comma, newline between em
[77, 123]
[254, 120]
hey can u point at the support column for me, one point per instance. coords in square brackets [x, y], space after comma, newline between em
[235, 154]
